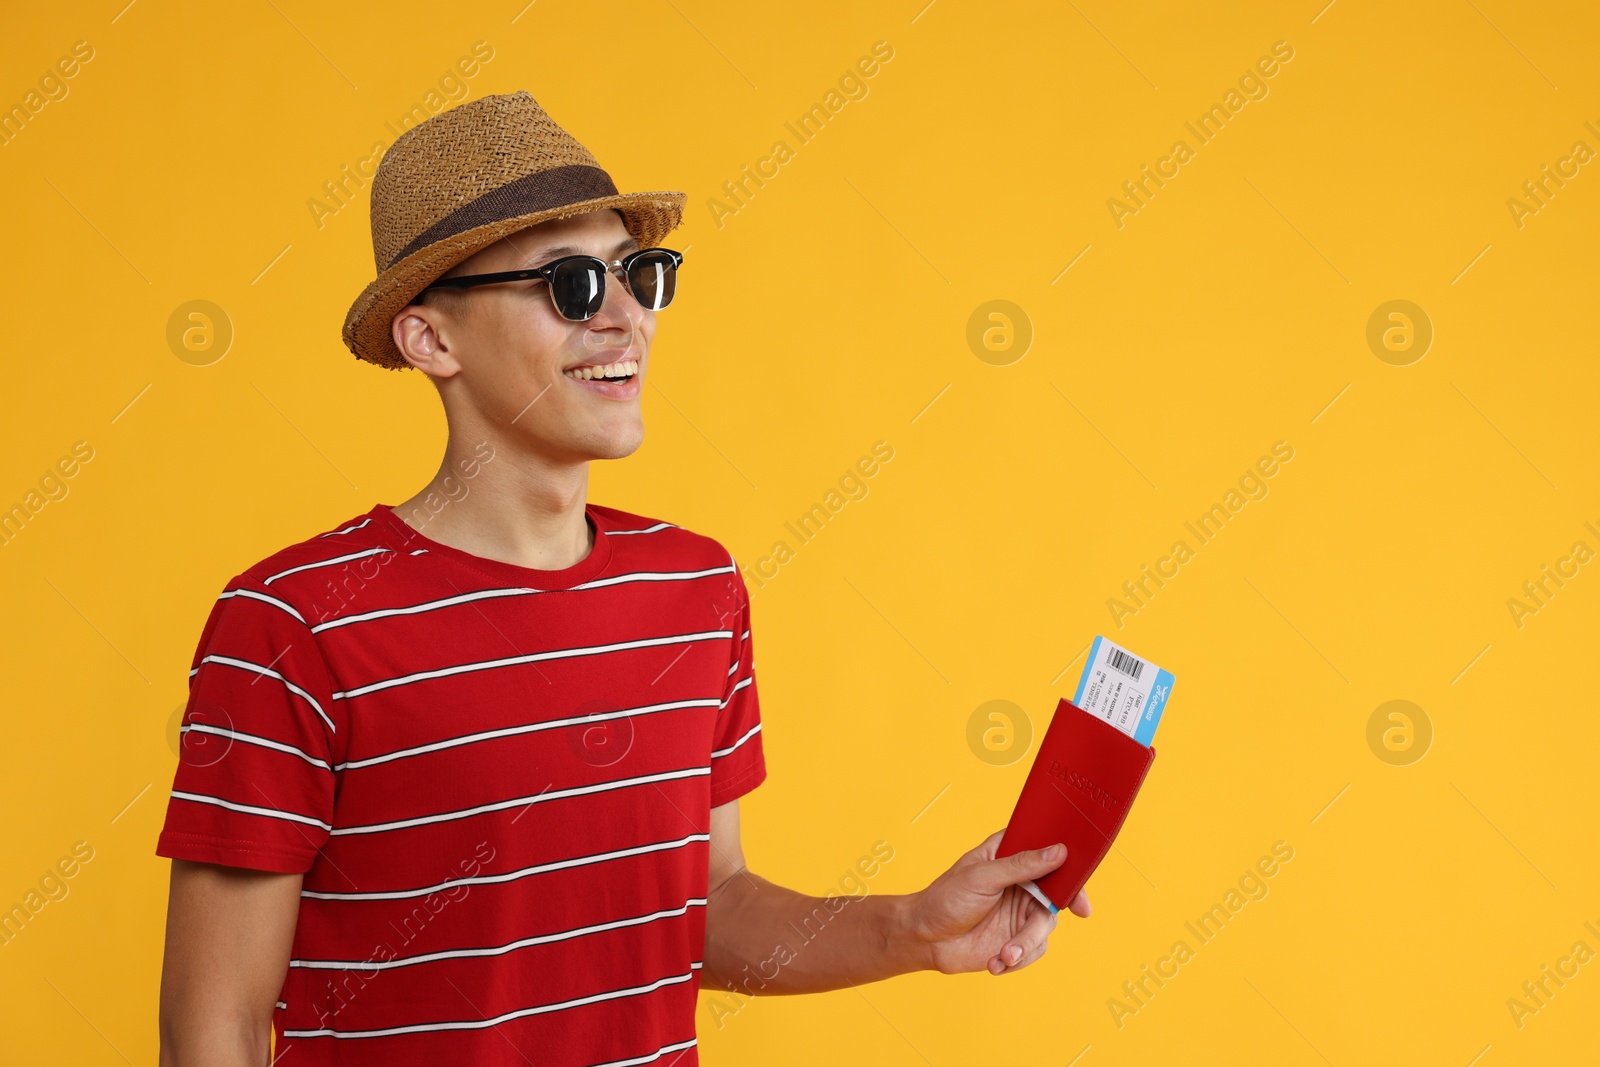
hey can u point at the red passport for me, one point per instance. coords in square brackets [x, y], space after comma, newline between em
[1082, 783]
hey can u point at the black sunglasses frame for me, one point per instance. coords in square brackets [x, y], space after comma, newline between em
[546, 272]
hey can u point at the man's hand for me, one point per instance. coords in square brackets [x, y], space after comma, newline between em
[976, 915]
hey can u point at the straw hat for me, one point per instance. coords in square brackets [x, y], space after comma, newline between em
[463, 179]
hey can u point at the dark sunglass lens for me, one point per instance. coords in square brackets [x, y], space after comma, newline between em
[578, 287]
[654, 279]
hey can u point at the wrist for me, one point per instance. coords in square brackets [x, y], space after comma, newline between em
[902, 942]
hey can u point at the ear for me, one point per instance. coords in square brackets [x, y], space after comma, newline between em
[418, 334]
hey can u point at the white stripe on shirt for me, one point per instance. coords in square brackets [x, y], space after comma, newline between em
[747, 680]
[484, 1024]
[512, 731]
[510, 661]
[653, 576]
[347, 529]
[265, 599]
[513, 876]
[250, 809]
[486, 594]
[252, 739]
[245, 664]
[325, 563]
[718, 753]
[417, 609]
[651, 1057]
[739, 658]
[647, 529]
[503, 805]
[369, 966]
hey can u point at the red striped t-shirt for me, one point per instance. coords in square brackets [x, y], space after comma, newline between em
[496, 780]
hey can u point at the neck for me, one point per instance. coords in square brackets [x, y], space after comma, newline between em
[504, 504]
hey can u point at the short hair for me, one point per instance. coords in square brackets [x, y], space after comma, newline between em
[451, 300]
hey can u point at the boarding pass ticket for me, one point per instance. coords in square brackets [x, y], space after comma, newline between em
[1124, 690]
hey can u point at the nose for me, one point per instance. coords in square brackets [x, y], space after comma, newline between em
[617, 324]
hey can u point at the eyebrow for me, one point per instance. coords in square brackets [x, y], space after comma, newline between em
[568, 250]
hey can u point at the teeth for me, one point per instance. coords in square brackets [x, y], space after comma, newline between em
[620, 369]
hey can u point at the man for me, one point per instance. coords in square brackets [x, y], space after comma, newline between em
[460, 776]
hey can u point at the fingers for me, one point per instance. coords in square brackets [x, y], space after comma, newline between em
[984, 851]
[1080, 906]
[993, 876]
[1029, 944]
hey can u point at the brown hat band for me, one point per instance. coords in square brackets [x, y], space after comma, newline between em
[538, 191]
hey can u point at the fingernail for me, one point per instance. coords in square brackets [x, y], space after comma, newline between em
[1013, 954]
[1054, 852]
[995, 966]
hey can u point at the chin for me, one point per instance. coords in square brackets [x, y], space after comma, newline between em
[616, 446]
[621, 452]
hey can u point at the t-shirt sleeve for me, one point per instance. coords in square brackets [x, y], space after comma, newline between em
[255, 781]
[737, 762]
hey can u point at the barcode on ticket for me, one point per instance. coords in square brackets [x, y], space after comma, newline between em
[1126, 663]
[1124, 690]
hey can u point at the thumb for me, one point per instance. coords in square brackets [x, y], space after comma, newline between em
[995, 875]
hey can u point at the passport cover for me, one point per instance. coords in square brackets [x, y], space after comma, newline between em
[1083, 780]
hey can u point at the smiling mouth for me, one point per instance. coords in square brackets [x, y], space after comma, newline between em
[620, 371]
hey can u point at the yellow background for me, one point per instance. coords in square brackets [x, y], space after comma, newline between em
[824, 315]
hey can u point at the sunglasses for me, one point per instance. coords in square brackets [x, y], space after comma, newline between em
[578, 283]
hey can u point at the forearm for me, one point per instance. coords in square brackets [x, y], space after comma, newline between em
[763, 939]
